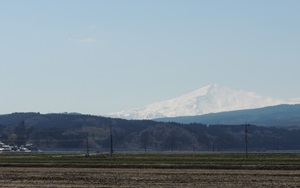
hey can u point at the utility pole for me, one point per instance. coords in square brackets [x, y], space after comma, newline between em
[87, 146]
[194, 147]
[277, 143]
[172, 142]
[111, 141]
[246, 139]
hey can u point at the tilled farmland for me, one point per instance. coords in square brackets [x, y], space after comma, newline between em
[161, 171]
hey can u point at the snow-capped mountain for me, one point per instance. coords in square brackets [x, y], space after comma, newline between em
[294, 101]
[209, 99]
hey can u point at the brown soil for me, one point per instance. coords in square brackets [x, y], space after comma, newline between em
[147, 177]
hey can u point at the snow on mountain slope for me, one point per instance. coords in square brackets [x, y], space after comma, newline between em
[294, 101]
[209, 99]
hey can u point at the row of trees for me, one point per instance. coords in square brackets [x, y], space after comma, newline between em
[156, 137]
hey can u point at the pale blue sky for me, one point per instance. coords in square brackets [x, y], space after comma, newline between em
[99, 56]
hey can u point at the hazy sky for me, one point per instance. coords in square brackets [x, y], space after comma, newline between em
[100, 56]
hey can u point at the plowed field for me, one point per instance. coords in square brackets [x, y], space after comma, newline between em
[155, 171]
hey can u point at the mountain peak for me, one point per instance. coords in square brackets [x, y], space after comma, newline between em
[208, 99]
[210, 87]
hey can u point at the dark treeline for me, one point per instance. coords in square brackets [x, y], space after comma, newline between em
[66, 131]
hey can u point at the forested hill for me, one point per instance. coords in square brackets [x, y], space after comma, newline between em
[63, 120]
[272, 116]
[71, 131]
